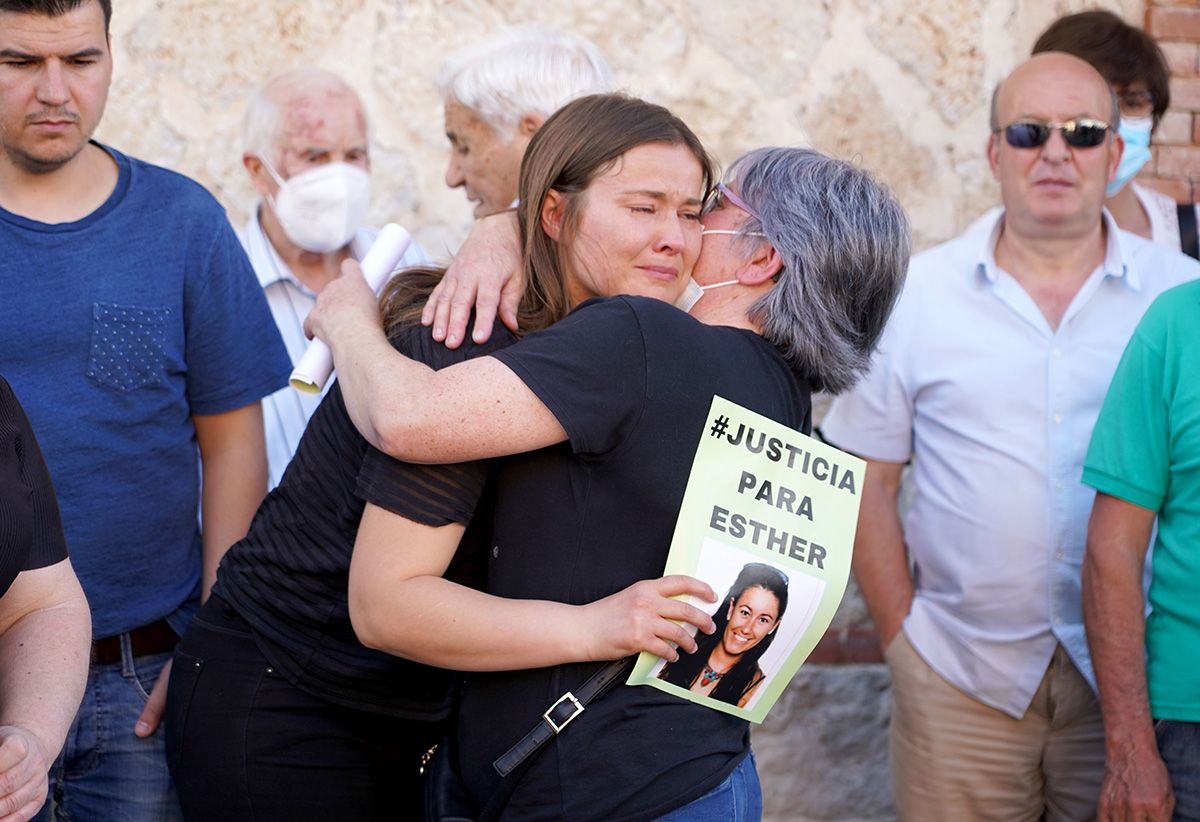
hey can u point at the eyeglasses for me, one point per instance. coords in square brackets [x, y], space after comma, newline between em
[1137, 103]
[734, 231]
[722, 192]
[1081, 133]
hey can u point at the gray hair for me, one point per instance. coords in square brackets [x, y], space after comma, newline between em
[526, 69]
[262, 124]
[845, 242]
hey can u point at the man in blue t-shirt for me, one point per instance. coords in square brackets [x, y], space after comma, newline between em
[133, 329]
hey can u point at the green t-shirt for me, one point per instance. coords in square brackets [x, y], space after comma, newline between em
[1146, 450]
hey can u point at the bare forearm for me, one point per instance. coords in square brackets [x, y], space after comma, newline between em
[399, 603]
[233, 455]
[880, 561]
[1136, 784]
[431, 620]
[227, 510]
[378, 383]
[43, 670]
[1114, 616]
[472, 410]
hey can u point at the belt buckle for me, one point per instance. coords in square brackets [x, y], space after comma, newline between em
[555, 726]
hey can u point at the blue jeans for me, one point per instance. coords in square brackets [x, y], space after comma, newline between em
[737, 799]
[1179, 746]
[105, 772]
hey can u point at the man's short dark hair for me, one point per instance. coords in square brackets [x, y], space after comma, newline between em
[1123, 54]
[54, 8]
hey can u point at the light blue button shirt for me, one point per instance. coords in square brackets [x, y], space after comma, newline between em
[995, 408]
[286, 412]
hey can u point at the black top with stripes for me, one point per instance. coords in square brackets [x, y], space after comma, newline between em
[288, 577]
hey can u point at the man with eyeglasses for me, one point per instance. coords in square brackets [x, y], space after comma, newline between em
[1135, 67]
[988, 379]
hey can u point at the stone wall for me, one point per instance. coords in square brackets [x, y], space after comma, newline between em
[900, 85]
[1176, 167]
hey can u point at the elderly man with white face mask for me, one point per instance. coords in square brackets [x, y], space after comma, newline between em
[305, 147]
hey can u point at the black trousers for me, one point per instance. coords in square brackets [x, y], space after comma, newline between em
[244, 743]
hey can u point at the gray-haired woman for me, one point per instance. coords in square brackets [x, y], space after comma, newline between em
[610, 403]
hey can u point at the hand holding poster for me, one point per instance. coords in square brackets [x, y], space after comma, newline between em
[768, 520]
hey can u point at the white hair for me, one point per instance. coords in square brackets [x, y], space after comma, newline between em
[262, 124]
[529, 69]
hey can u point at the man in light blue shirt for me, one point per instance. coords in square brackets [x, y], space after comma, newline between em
[989, 379]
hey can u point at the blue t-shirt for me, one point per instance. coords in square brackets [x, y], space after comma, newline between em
[115, 330]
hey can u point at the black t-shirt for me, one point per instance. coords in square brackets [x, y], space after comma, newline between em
[31, 533]
[631, 381]
[288, 578]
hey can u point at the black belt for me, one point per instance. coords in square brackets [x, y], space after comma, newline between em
[559, 715]
[155, 638]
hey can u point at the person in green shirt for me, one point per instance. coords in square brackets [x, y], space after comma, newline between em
[1144, 462]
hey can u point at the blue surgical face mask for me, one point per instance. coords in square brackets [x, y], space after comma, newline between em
[1135, 131]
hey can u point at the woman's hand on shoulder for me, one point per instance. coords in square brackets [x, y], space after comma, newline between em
[647, 617]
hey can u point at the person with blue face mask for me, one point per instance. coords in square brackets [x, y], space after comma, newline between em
[305, 147]
[1135, 67]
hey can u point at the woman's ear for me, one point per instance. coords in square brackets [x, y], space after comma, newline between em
[553, 214]
[762, 266]
[729, 611]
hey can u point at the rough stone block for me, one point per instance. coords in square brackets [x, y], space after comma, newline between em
[1175, 128]
[1174, 22]
[1177, 161]
[1181, 58]
[855, 123]
[1185, 93]
[822, 752]
[781, 52]
[938, 42]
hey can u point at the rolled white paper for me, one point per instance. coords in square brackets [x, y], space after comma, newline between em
[316, 365]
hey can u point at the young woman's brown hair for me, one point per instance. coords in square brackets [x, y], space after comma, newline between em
[575, 145]
[1124, 55]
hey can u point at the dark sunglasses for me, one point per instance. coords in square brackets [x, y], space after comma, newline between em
[1081, 133]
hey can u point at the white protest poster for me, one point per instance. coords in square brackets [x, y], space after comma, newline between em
[767, 520]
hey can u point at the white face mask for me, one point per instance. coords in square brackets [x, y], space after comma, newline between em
[320, 209]
[693, 291]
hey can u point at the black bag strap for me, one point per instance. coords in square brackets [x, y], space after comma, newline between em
[1189, 241]
[513, 763]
